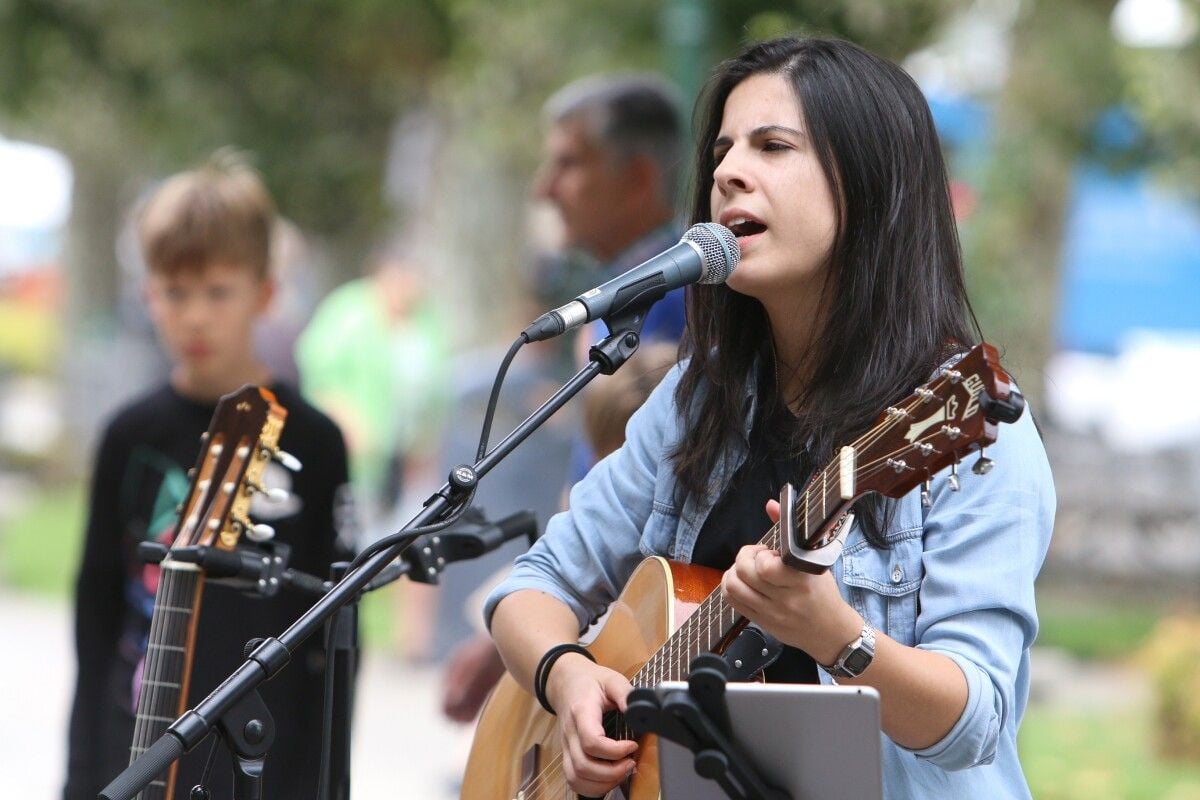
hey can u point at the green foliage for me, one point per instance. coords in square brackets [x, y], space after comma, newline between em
[1098, 755]
[1171, 656]
[311, 88]
[892, 28]
[29, 337]
[40, 544]
[1095, 632]
[1162, 87]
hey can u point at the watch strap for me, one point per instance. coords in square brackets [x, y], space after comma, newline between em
[856, 656]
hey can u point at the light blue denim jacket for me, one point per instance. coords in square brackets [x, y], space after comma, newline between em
[957, 578]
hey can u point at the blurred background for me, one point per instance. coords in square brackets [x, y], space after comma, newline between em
[1072, 128]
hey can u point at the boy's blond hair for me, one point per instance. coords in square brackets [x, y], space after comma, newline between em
[610, 402]
[219, 212]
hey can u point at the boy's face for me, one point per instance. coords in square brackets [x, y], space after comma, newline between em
[205, 319]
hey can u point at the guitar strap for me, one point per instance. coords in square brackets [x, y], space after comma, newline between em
[751, 652]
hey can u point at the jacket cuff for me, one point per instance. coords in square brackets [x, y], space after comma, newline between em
[973, 739]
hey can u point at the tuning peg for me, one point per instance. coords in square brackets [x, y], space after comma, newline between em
[984, 465]
[289, 461]
[256, 531]
[260, 532]
[952, 481]
[274, 495]
[926, 499]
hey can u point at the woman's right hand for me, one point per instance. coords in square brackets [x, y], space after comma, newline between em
[580, 692]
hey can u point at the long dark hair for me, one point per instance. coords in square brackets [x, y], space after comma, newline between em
[895, 298]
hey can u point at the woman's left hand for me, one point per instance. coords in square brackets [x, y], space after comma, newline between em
[802, 610]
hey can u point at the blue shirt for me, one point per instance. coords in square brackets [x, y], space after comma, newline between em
[957, 578]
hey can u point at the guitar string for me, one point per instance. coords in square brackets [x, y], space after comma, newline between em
[159, 631]
[145, 701]
[685, 633]
[160, 701]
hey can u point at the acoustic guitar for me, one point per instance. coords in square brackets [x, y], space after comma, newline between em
[668, 612]
[242, 437]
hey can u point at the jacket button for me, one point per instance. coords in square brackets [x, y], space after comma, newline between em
[897, 574]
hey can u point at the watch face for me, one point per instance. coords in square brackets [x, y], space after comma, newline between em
[857, 661]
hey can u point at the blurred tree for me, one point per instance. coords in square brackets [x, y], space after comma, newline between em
[1163, 89]
[140, 88]
[1061, 79]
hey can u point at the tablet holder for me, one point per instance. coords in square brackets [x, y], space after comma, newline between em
[698, 719]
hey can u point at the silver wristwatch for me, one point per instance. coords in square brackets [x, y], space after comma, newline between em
[856, 657]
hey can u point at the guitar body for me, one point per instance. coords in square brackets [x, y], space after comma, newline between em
[516, 748]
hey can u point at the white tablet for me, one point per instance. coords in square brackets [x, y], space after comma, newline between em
[813, 742]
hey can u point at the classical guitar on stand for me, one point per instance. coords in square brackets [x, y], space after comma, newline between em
[669, 612]
[242, 438]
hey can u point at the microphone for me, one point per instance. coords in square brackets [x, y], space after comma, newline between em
[707, 253]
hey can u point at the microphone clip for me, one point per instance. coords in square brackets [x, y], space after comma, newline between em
[470, 537]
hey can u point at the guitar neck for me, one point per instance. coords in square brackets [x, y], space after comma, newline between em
[168, 664]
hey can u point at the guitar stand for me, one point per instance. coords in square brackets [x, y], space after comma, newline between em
[698, 719]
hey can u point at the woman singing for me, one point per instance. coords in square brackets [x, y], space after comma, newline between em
[823, 159]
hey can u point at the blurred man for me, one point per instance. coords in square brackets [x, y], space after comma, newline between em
[611, 167]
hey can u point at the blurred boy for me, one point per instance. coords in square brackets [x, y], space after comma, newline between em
[205, 237]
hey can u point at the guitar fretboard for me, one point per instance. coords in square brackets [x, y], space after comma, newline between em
[165, 669]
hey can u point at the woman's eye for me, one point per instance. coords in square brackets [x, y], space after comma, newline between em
[774, 146]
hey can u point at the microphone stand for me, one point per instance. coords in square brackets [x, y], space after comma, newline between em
[226, 705]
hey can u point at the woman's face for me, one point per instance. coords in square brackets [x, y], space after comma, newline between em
[769, 189]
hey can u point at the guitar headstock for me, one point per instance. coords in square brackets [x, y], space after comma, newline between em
[937, 425]
[242, 437]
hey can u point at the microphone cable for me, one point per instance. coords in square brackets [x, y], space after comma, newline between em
[489, 415]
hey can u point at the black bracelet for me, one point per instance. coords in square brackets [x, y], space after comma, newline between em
[542, 673]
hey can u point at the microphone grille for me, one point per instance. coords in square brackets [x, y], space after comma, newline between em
[719, 251]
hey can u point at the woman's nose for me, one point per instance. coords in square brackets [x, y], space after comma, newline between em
[731, 175]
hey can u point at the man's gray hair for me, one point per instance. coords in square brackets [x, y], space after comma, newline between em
[630, 115]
